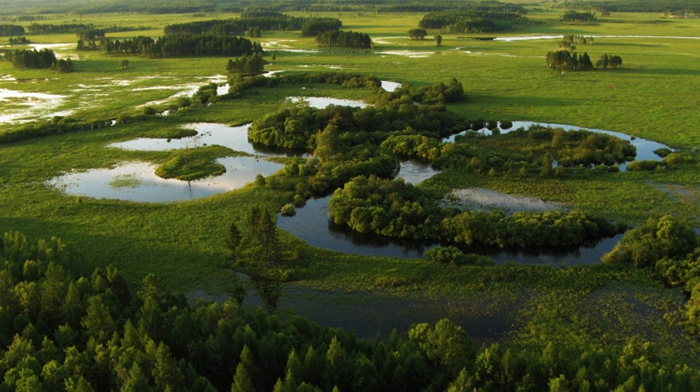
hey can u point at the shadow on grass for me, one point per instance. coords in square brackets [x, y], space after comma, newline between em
[666, 71]
[180, 266]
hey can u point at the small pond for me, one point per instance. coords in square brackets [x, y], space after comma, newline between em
[487, 199]
[137, 181]
[390, 86]
[645, 148]
[235, 138]
[323, 102]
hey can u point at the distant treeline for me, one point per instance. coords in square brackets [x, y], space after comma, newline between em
[77, 28]
[210, 6]
[31, 59]
[344, 39]
[261, 20]
[182, 45]
[479, 19]
[315, 26]
[74, 28]
[575, 16]
[38, 59]
[666, 6]
[19, 41]
[23, 18]
[10, 30]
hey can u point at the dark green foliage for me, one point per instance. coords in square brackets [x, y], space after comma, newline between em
[504, 151]
[63, 66]
[19, 41]
[31, 59]
[565, 60]
[91, 34]
[344, 39]
[261, 237]
[577, 39]
[52, 127]
[10, 30]
[453, 256]
[74, 28]
[182, 45]
[607, 60]
[288, 210]
[644, 166]
[192, 164]
[417, 34]
[667, 247]
[438, 93]
[667, 7]
[206, 93]
[315, 26]
[156, 341]
[82, 46]
[477, 18]
[413, 146]
[575, 16]
[257, 21]
[438, 39]
[247, 65]
[396, 209]
[239, 85]
[253, 32]
[646, 244]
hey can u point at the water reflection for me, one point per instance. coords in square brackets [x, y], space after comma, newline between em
[137, 181]
[312, 225]
[323, 102]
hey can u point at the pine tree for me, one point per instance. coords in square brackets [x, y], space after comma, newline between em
[137, 381]
[241, 380]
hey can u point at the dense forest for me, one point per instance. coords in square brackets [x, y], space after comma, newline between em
[198, 6]
[262, 20]
[31, 59]
[480, 18]
[73, 28]
[315, 26]
[10, 30]
[62, 331]
[344, 39]
[182, 45]
[181, 6]
[675, 7]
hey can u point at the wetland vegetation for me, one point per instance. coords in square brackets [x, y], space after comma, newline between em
[406, 215]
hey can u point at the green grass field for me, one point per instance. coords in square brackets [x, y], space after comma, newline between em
[655, 95]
